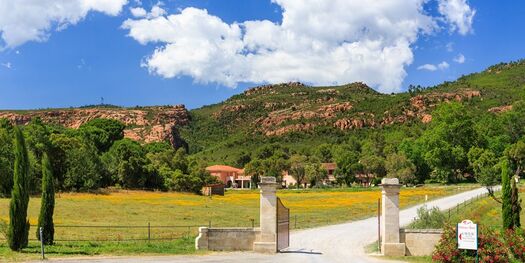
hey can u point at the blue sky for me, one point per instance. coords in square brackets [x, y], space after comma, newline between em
[94, 51]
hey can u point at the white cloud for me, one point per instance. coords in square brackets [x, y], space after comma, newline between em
[318, 42]
[7, 65]
[429, 67]
[157, 11]
[443, 65]
[458, 14]
[460, 59]
[138, 12]
[450, 46]
[33, 20]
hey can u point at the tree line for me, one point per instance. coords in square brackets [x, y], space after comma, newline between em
[96, 155]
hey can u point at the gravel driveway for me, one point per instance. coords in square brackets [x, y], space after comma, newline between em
[335, 243]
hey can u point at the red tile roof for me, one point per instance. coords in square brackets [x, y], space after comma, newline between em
[223, 168]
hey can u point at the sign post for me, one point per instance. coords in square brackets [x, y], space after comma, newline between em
[467, 236]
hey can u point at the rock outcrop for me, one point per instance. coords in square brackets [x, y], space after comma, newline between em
[500, 109]
[147, 124]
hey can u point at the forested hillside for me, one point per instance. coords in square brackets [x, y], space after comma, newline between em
[301, 117]
[453, 132]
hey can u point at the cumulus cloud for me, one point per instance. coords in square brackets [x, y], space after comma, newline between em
[317, 42]
[458, 14]
[138, 12]
[460, 59]
[33, 20]
[443, 65]
[431, 67]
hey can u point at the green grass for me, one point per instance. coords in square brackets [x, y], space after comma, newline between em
[420, 259]
[485, 212]
[72, 249]
[313, 207]
[373, 250]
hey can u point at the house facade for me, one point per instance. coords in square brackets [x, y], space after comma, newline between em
[289, 180]
[230, 176]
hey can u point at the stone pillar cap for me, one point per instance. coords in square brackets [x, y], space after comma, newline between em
[390, 181]
[268, 180]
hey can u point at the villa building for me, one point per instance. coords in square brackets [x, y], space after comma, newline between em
[289, 180]
[231, 177]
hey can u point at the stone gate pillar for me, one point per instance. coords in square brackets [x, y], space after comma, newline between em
[390, 245]
[267, 241]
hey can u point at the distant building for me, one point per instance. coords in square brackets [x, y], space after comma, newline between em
[330, 169]
[231, 177]
[289, 180]
[365, 179]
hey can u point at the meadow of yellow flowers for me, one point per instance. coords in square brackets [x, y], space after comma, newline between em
[308, 208]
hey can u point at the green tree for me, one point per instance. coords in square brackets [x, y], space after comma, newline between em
[446, 143]
[348, 165]
[515, 205]
[399, 166]
[18, 231]
[506, 202]
[271, 160]
[126, 162]
[255, 170]
[243, 159]
[45, 219]
[484, 164]
[113, 128]
[99, 137]
[315, 173]
[6, 162]
[514, 121]
[324, 153]
[297, 169]
[516, 153]
[78, 163]
[373, 164]
[413, 150]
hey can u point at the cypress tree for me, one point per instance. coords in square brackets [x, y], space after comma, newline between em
[506, 202]
[18, 230]
[516, 205]
[45, 219]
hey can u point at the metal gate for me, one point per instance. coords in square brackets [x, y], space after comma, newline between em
[283, 226]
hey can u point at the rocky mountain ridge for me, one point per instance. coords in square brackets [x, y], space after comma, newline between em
[146, 124]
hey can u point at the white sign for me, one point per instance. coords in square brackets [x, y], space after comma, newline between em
[467, 235]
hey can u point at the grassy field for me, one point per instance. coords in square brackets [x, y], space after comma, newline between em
[170, 214]
[485, 212]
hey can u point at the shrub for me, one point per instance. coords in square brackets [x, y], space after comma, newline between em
[490, 248]
[428, 218]
[515, 240]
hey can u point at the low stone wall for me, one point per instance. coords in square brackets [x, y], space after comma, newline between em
[227, 239]
[420, 242]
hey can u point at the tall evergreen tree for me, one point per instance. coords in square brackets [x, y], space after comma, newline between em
[45, 219]
[516, 205]
[18, 230]
[506, 206]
